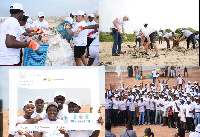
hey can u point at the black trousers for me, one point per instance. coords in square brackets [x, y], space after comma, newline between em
[152, 116]
[177, 119]
[89, 41]
[189, 124]
[191, 37]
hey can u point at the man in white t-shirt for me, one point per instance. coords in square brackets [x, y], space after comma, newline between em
[10, 38]
[168, 36]
[131, 103]
[39, 104]
[180, 81]
[29, 22]
[116, 109]
[117, 28]
[142, 107]
[80, 39]
[188, 87]
[40, 23]
[158, 110]
[189, 36]
[150, 38]
[147, 111]
[154, 74]
[160, 36]
[189, 121]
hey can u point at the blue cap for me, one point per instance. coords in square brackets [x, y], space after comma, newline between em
[109, 95]
[182, 100]
[129, 97]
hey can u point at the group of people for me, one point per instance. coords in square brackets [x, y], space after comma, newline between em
[19, 25]
[147, 36]
[175, 106]
[55, 113]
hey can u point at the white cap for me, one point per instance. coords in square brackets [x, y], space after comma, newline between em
[76, 101]
[40, 14]
[91, 15]
[189, 82]
[145, 93]
[60, 93]
[127, 17]
[69, 19]
[28, 102]
[195, 82]
[165, 96]
[39, 97]
[52, 103]
[73, 13]
[16, 6]
[116, 95]
[173, 31]
[79, 12]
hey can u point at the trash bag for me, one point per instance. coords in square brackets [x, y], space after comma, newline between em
[62, 30]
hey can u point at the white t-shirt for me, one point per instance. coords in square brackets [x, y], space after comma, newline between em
[174, 108]
[84, 133]
[108, 103]
[141, 106]
[180, 80]
[132, 105]
[42, 25]
[194, 134]
[75, 22]
[160, 34]
[29, 22]
[120, 23]
[187, 87]
[182, 110]
[189, 107]
[20, 120]
[116, 104]
[81, 40]
[151, 104]
[53, 133]
[168, 35]
[158, 107]
[89, 30]
[197, 107]
[147, 104]
[186, 33]
[122, 105]
[10, 56]
[154, 74]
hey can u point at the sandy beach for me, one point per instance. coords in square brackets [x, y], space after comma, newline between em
[20, 113]
[159, 131]
[175, 56]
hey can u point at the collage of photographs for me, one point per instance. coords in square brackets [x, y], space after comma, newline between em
[99, 68]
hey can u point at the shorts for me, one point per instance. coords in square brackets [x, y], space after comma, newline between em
[183, 119]
[153, 37]
[79, 51]
[165, 114]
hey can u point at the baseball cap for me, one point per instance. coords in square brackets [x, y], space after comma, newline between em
[79, 12]
[182, 100]
[173, 31]
[109, 95]
[73, 13]
[91, 15]
[52, 103]
[127, 17]
[59, 93]
[189, 82]
[69, 19]
[76, 101]
[17, 6]
[41, 14]
[29, 102]
[39, 97]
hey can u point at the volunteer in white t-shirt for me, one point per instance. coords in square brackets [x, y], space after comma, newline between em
[116, 109]
[152, 109]
[197, 112]
[147, 111]
[189, 120]
[160, 36]
[158, 110]
[108, 104]
[131, 103]
[188, 87]
[180, 81]
[28, 110]
[170, 35]
[10, 38]
[52, 113]
[29, 22]
[117, 28]
[189, 36]
[154, 75]
[196, 133]
[122, 113]
[150, 37]
[40, 23]
[80, 39]
[183, 114]
[142, 107]
[39, 104]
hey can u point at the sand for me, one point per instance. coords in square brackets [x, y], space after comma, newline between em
[174, 56]
[20, 113]
[159, 131]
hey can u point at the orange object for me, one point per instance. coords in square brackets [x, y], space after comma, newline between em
[144, 47]
[47, 29]
[67, 26]
[36, 29]
[118, 29]
[21, 38]
[33, 45]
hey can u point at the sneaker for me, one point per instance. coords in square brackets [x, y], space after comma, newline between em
[156, 55]
[145, 123]
[155, 124]
[175, 128]
[148, 123]
[115, 54]
[146, 54]
[159, 124]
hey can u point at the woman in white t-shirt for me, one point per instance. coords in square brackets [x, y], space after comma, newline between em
[28, 110]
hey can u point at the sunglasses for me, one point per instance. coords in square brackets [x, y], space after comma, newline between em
[61, 99]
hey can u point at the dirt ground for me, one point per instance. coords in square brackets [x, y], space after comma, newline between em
[175, 56]
[20, 113]
[159, 131]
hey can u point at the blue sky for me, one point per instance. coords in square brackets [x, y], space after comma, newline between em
[50, 7]
[31, 94]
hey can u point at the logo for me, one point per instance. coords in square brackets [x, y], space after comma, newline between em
[74, 116]
[65, 117]
[49, 79]
[86, 116]
[80, 116]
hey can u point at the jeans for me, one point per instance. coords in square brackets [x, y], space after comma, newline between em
[115, 115]
[197, 118]
[106, 115]
[154, 80]
[132, 116]
[160, 39]
[139, 40]
[147, 117]
[117, 41]
[141, 115]
[158, 112]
